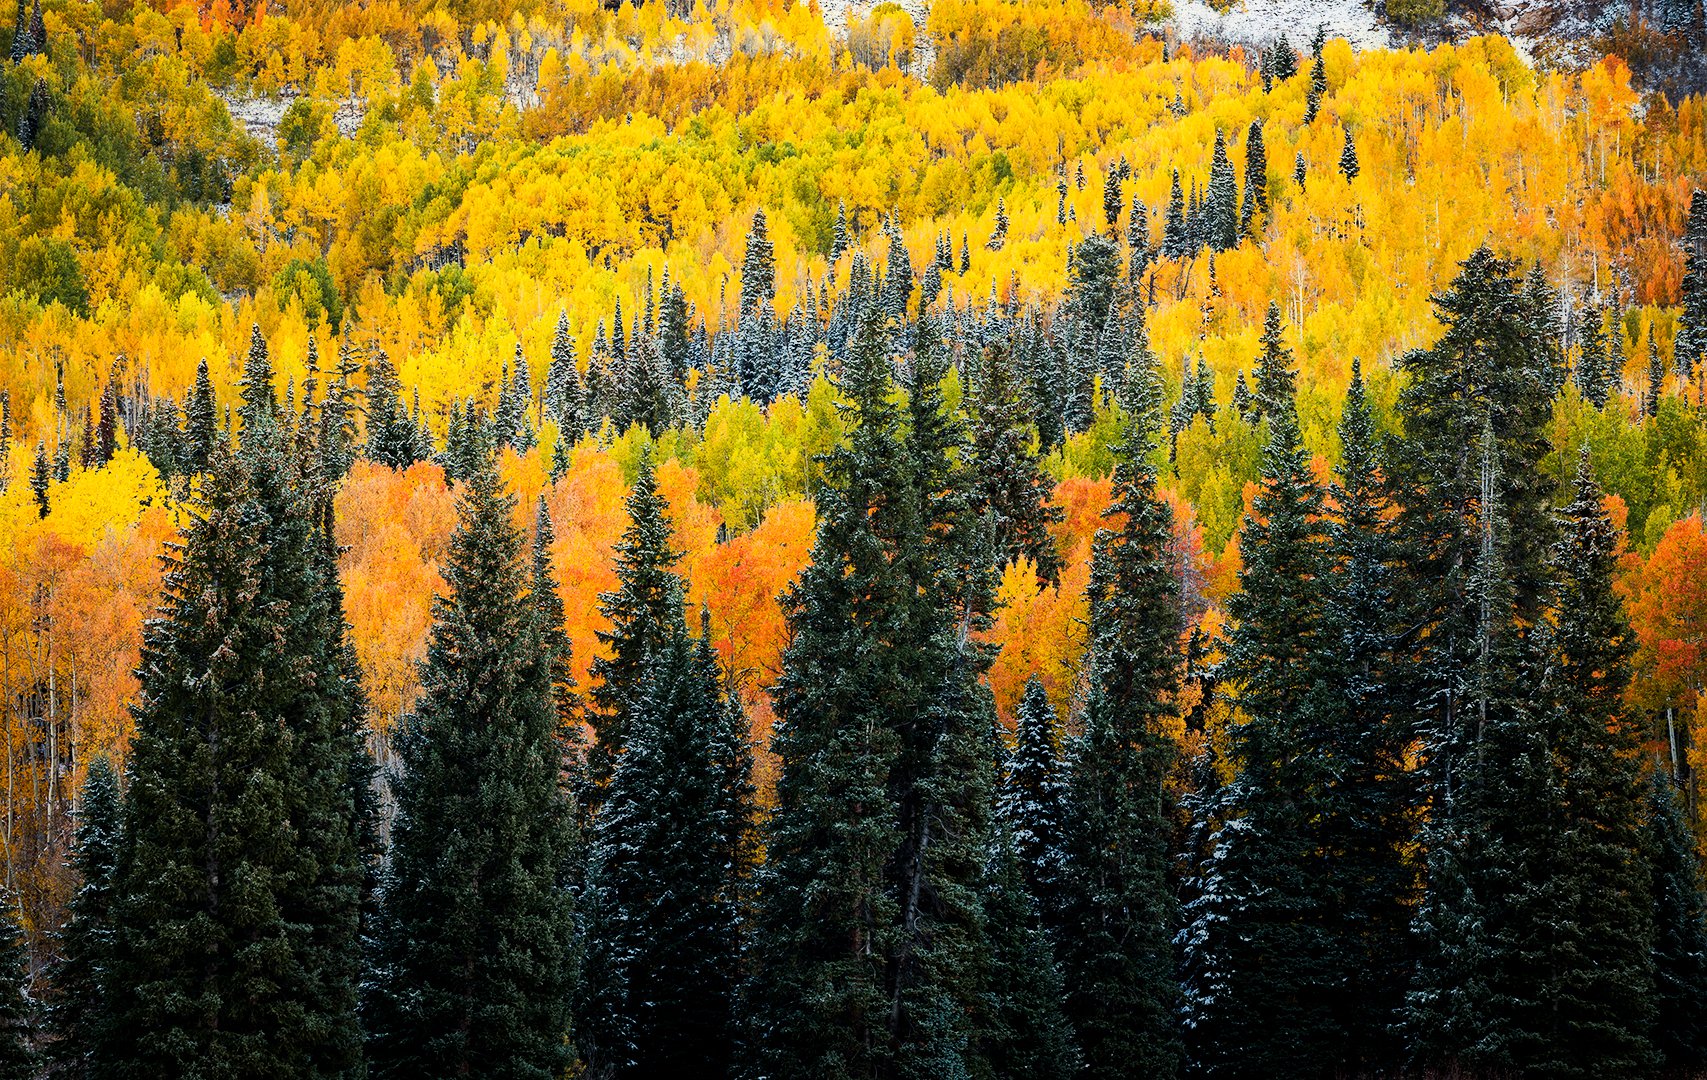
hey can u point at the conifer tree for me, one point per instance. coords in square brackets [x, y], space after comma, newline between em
[1222, 199]
[1348, 157]
[1691, 349]
[201, 420]
[645, 605]
[1117, 906]
[1010, 491]
[41, 476]
[1111, 201]
[839, 239]
[1593, 374]
[1259, 986]
[1275, 381]
[758, 267]
[1034, 802]
[1656, 378]
[18, 1057]
[1254, 212]
[669, 855]
[244, 870]
[78, 1017]
[1680, 933]
[474, 942]
[1176, 240]
[1318, 87]
[1300, 171]
[1285, 63]
[1026, 1036]
[999, 234]
[390, 438]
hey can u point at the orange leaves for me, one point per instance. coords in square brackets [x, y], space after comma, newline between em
[1667, 603]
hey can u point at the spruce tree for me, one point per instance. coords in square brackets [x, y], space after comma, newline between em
[41, 475]
[1010, 490]
[1691, 348]
[1222, 199]
[1176, 241]
[1025, 1037]
[243, 874]
[1258, 944]
[1254, 212]
[1656, 378]
[474, 941]
[1275, 381]
[1300, 171]
[1111, 201]
[1348, 157]
[1117, 908]
[201, 420]
[670, 851]
[18, 1057]
[758, 266]
[1033, 802]
[642, 609]
[1318, 87]
[1594, 377]
[79, 1018]
[390, 438]
[1680, 933]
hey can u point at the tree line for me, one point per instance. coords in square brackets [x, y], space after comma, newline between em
[1424, 832]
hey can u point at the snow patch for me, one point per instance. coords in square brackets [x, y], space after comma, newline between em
[1259, 22]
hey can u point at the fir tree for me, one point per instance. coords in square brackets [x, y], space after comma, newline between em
[1034, 802]
[41, 476]
[79, 1017]
[390, 438]
[839, 239]
[1275, 381]
[1300, 171]
[1680, 933]
[1176, 241]
[1111, 201]
[1318, 87]
[999, 234]
[244, 868]
[1691, 349]
[1222, 199]
[1117, 905]
[1348, 157]
[1285, 63]
[1656, 378]
[201, 420]
[1026, 1037]
[474, 961]
[1254, 212]
[18, 1057]
[1011, 492]
[1593, 371]
[669, 854]
[645, 605]
[758, 266]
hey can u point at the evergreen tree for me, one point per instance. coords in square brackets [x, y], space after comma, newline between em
[1034, 803]
[41, 476]
[244, 870]
[1656, 378]
[1111, 201]
[1222, 199]
[18, 1057]
[1176, 240]
[1691, 349]
[1680, 933]
[474, 944]
[999, 235]
[1258, 954]
[79, 1017]
[1318, 87]
[1348, 157]
[1254, 212]
[1594, 376]
[758, 267]
[1010, 491]
[645, 605]
[1117, 907]
[839, 238]
[201, 420]
[1026, 1037]
[390, 438]
[1285, 63]
[1300, 171]
[669, 855]
[1275, 381]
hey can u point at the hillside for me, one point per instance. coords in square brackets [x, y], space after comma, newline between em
[817, 389]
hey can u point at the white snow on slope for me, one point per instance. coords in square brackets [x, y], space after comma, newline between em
[1259, 22]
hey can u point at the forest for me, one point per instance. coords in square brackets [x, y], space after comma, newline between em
[541, 538]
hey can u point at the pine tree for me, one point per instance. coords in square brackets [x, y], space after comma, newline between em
[201, 420]
[41, 476]
[1300, 171]
[474, 943]
[965, 254]
[758, 267]
[999, 235]
[1348, 157]
[1593, 373]
[1222, 199]
[1111, 200]
[1285, 64]
[1680, 933]
[78, 1016]
[839, 239]
[1010, 491]
[1026, 1037]
[22, 43]
[1253, 214]
[18, 1057]
[645, 604]
[244, 871]
[669, 854]
[1117, 908]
